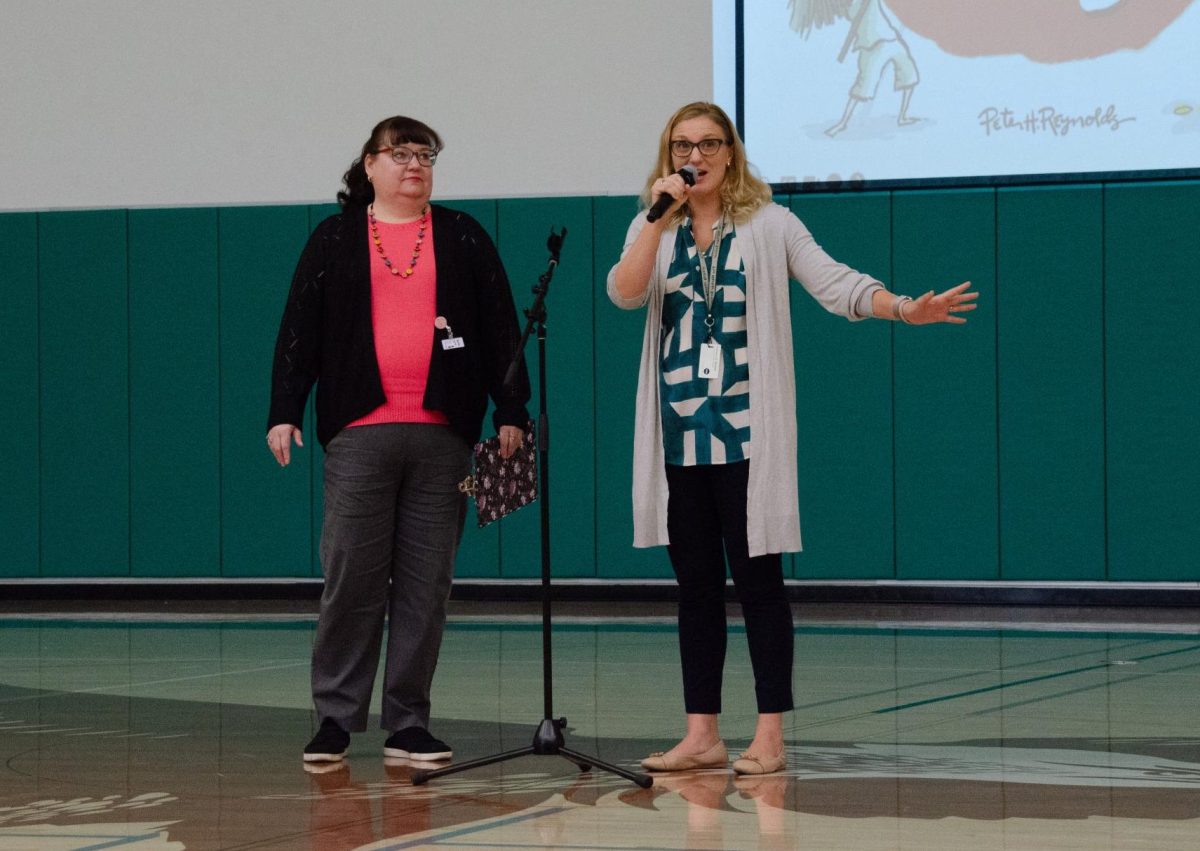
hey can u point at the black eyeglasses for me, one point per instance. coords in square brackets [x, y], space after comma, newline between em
[402, 155]
[708, 147]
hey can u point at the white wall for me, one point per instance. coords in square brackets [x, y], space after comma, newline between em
[144, 103]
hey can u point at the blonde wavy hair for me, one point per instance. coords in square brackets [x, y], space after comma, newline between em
[742, 192]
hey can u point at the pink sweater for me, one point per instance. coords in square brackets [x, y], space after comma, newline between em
[402, 314]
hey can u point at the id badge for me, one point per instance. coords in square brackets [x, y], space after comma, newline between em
[450, 341]
[710, 359]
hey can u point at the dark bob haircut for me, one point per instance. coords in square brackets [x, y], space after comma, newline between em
[391, 131]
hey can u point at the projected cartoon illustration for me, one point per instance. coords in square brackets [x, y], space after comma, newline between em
[1084, 48]
[876, 41]
[839, 94]
[1045, 31]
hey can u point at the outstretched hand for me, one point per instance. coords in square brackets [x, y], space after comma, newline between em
[941, 307]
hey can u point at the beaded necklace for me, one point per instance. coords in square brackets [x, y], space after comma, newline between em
[416, 252]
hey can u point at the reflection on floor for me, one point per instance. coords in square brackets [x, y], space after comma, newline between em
[151, 732]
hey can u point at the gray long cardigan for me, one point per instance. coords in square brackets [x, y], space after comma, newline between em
[775, 245]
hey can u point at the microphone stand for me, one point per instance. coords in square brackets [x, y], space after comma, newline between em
[548, 740]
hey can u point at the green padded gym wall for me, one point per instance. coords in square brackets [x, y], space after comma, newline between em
[20, 485]
[1050, 355]
[844, 403]
[618, 345]
[1048, 439]
[266, 517]
[174, 394]
[1152, 350]
[83, 337]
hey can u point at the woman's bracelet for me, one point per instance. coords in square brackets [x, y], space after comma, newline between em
[898, 309]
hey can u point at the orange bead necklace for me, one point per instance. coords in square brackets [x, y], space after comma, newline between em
[416, 252]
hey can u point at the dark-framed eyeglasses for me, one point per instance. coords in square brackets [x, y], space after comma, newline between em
[708, 147]
[402, 155]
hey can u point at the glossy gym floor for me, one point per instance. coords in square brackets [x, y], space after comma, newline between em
[915, 728]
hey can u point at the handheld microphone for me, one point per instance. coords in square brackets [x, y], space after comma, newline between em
[664, 202]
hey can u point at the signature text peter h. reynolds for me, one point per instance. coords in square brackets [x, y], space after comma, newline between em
[1047, 119]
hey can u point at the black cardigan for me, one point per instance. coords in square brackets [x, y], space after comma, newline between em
[327, 336]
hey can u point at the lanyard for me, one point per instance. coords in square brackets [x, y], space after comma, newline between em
[708, 273]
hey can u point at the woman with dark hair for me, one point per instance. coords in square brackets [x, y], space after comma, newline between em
[714, 454]
[400, 312]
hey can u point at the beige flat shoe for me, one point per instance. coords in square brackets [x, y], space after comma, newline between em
[746, 764]
[714, 757]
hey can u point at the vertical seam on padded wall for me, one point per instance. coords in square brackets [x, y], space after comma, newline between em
[128, 403]
[1104, 375]
[996, 377]
[595, 384]
[37, 266]
[316, 471]
[538, 467]
[892, 343]
[220, 410]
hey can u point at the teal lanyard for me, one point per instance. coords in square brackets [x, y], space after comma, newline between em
[709, 261]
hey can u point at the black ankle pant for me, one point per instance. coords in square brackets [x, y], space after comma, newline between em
[706, 521]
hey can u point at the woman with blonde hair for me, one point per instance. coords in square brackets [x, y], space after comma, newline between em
[715, 423]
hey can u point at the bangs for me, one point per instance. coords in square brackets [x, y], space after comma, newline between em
[412, 139]
[401, 130]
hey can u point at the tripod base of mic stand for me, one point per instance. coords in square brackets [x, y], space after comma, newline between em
[547, 741]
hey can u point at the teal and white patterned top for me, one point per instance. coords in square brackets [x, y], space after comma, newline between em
[705, 420]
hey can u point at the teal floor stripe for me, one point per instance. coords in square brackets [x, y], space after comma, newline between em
[1028, 680]
[1126, 680]
[478, 828]
[924, 683]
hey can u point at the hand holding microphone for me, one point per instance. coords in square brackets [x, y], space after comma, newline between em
[665, 198]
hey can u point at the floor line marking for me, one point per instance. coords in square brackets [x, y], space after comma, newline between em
[114, 843]
[466, 831]
[1125, 680]
[125, 840]
[146, 683]
[22, 732]
[1027, 681]
[818, 704]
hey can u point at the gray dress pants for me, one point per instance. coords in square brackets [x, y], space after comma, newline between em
[393, 520]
